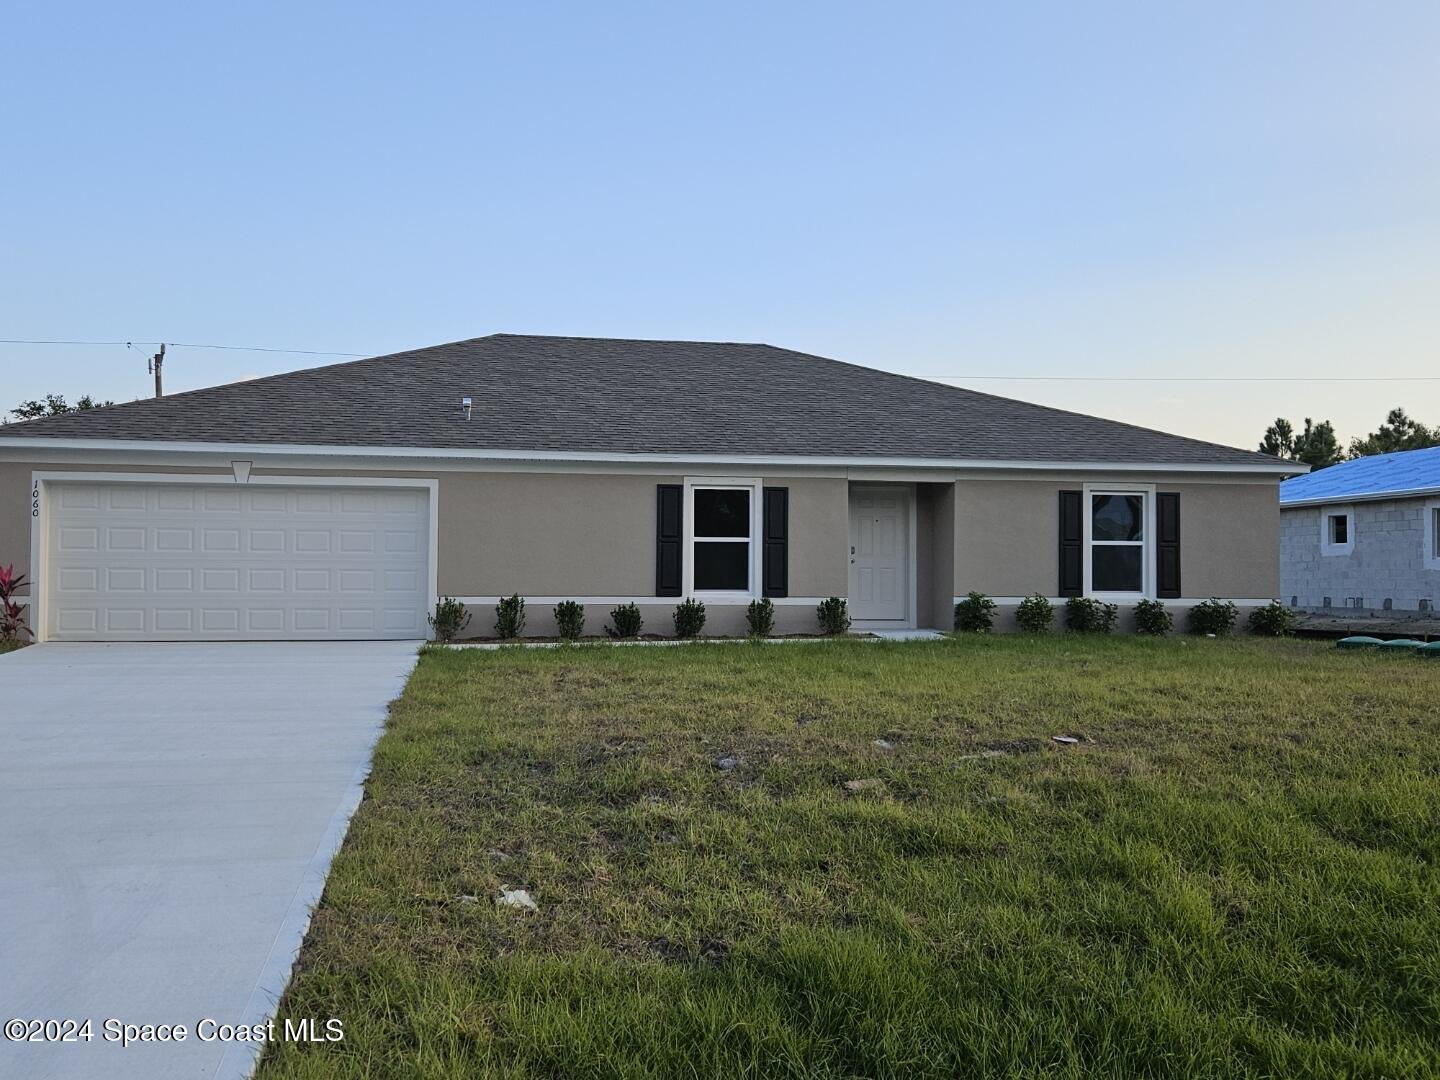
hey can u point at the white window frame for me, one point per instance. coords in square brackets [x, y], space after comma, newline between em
[1327, 546]
[1432, 534]
[721, 483]
[1146, 544]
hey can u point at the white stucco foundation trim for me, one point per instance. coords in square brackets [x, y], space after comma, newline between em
[645, 601]
[1183, 602]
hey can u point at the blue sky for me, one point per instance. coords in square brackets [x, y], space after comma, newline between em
[1109, 190]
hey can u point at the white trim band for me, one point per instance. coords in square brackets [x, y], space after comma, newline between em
[1183, 602]
[1374, 496]
[647, 601]
[262, 450]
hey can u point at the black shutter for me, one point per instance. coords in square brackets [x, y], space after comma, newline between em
[775, 561]
[1167, 544]
[1072, 543]
[669, 538]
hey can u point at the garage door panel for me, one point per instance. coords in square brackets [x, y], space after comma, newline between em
[172, 579]
[123, 539]
[265, 540]
[221, 619]
[125, 620]
[359, 502]
[124, 579]
[175, 497]
[78, 579]
[80, 497]
[267, 581]
[404, 543]
[79, 539]
[403, 621]
[312, 620]
[220, 540]
[265, 620]
[312, 581]
[353, 541]
[357, 619]
[217, 500]
[174, 540]
[213, 580]
[135, 561]
[78, 620]
[265, 502]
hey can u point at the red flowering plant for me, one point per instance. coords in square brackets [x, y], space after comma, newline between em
[12, 628]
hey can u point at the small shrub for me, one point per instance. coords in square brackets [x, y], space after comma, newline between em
[689, 618]
[509, 617]
[975, 614]
[1272, 620]
[570, 619]
[834, 616]
[626, 622]
[12, 623]
[450, 618]
[1034, 615]
[1212, 617]
[760, 615]
[1086, 615]
[1152, 618]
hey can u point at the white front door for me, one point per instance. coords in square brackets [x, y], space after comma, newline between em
[880, 555]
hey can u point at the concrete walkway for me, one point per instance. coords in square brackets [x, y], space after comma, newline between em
[167, 817]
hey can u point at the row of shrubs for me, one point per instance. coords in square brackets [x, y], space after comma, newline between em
[1084, 615]
[451, 617]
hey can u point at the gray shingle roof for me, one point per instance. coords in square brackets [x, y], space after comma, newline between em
[598, 395]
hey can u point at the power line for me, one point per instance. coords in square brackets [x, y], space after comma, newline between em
[185, 345]
[947, 378]
[256, 348]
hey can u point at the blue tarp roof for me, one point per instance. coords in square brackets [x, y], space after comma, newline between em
[1410, 470]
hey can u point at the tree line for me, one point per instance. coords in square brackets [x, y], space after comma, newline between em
[1318, 447]
[54, 405]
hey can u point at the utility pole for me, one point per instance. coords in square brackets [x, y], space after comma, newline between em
[154, 366]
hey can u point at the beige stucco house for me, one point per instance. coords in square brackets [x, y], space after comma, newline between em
[340, 502]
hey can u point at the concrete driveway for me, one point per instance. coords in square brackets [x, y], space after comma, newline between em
[167, 817]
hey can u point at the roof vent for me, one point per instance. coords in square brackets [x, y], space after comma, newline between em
[465, 404]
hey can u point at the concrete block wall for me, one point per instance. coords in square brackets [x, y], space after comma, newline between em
[1387, 561]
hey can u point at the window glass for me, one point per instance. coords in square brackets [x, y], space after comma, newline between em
[721, 566]
[1117, 568]
[1117, 517]
[721, 512]
[1340, 529]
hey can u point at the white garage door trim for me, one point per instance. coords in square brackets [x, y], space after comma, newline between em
[40, 499]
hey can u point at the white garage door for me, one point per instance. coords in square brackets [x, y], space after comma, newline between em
[170, 562]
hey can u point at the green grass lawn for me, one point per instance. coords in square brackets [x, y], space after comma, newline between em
[10, 645]
[1235, 873]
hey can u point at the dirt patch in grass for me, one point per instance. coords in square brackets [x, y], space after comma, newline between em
[1236, 873]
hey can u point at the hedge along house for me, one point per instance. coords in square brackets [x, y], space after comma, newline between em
[1364, 534]
[340, 502]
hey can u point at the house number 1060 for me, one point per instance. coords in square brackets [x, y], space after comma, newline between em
[35, 502]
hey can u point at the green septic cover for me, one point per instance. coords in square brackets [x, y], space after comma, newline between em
[1401, 643]
[1432, 651]
[1358, 642]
